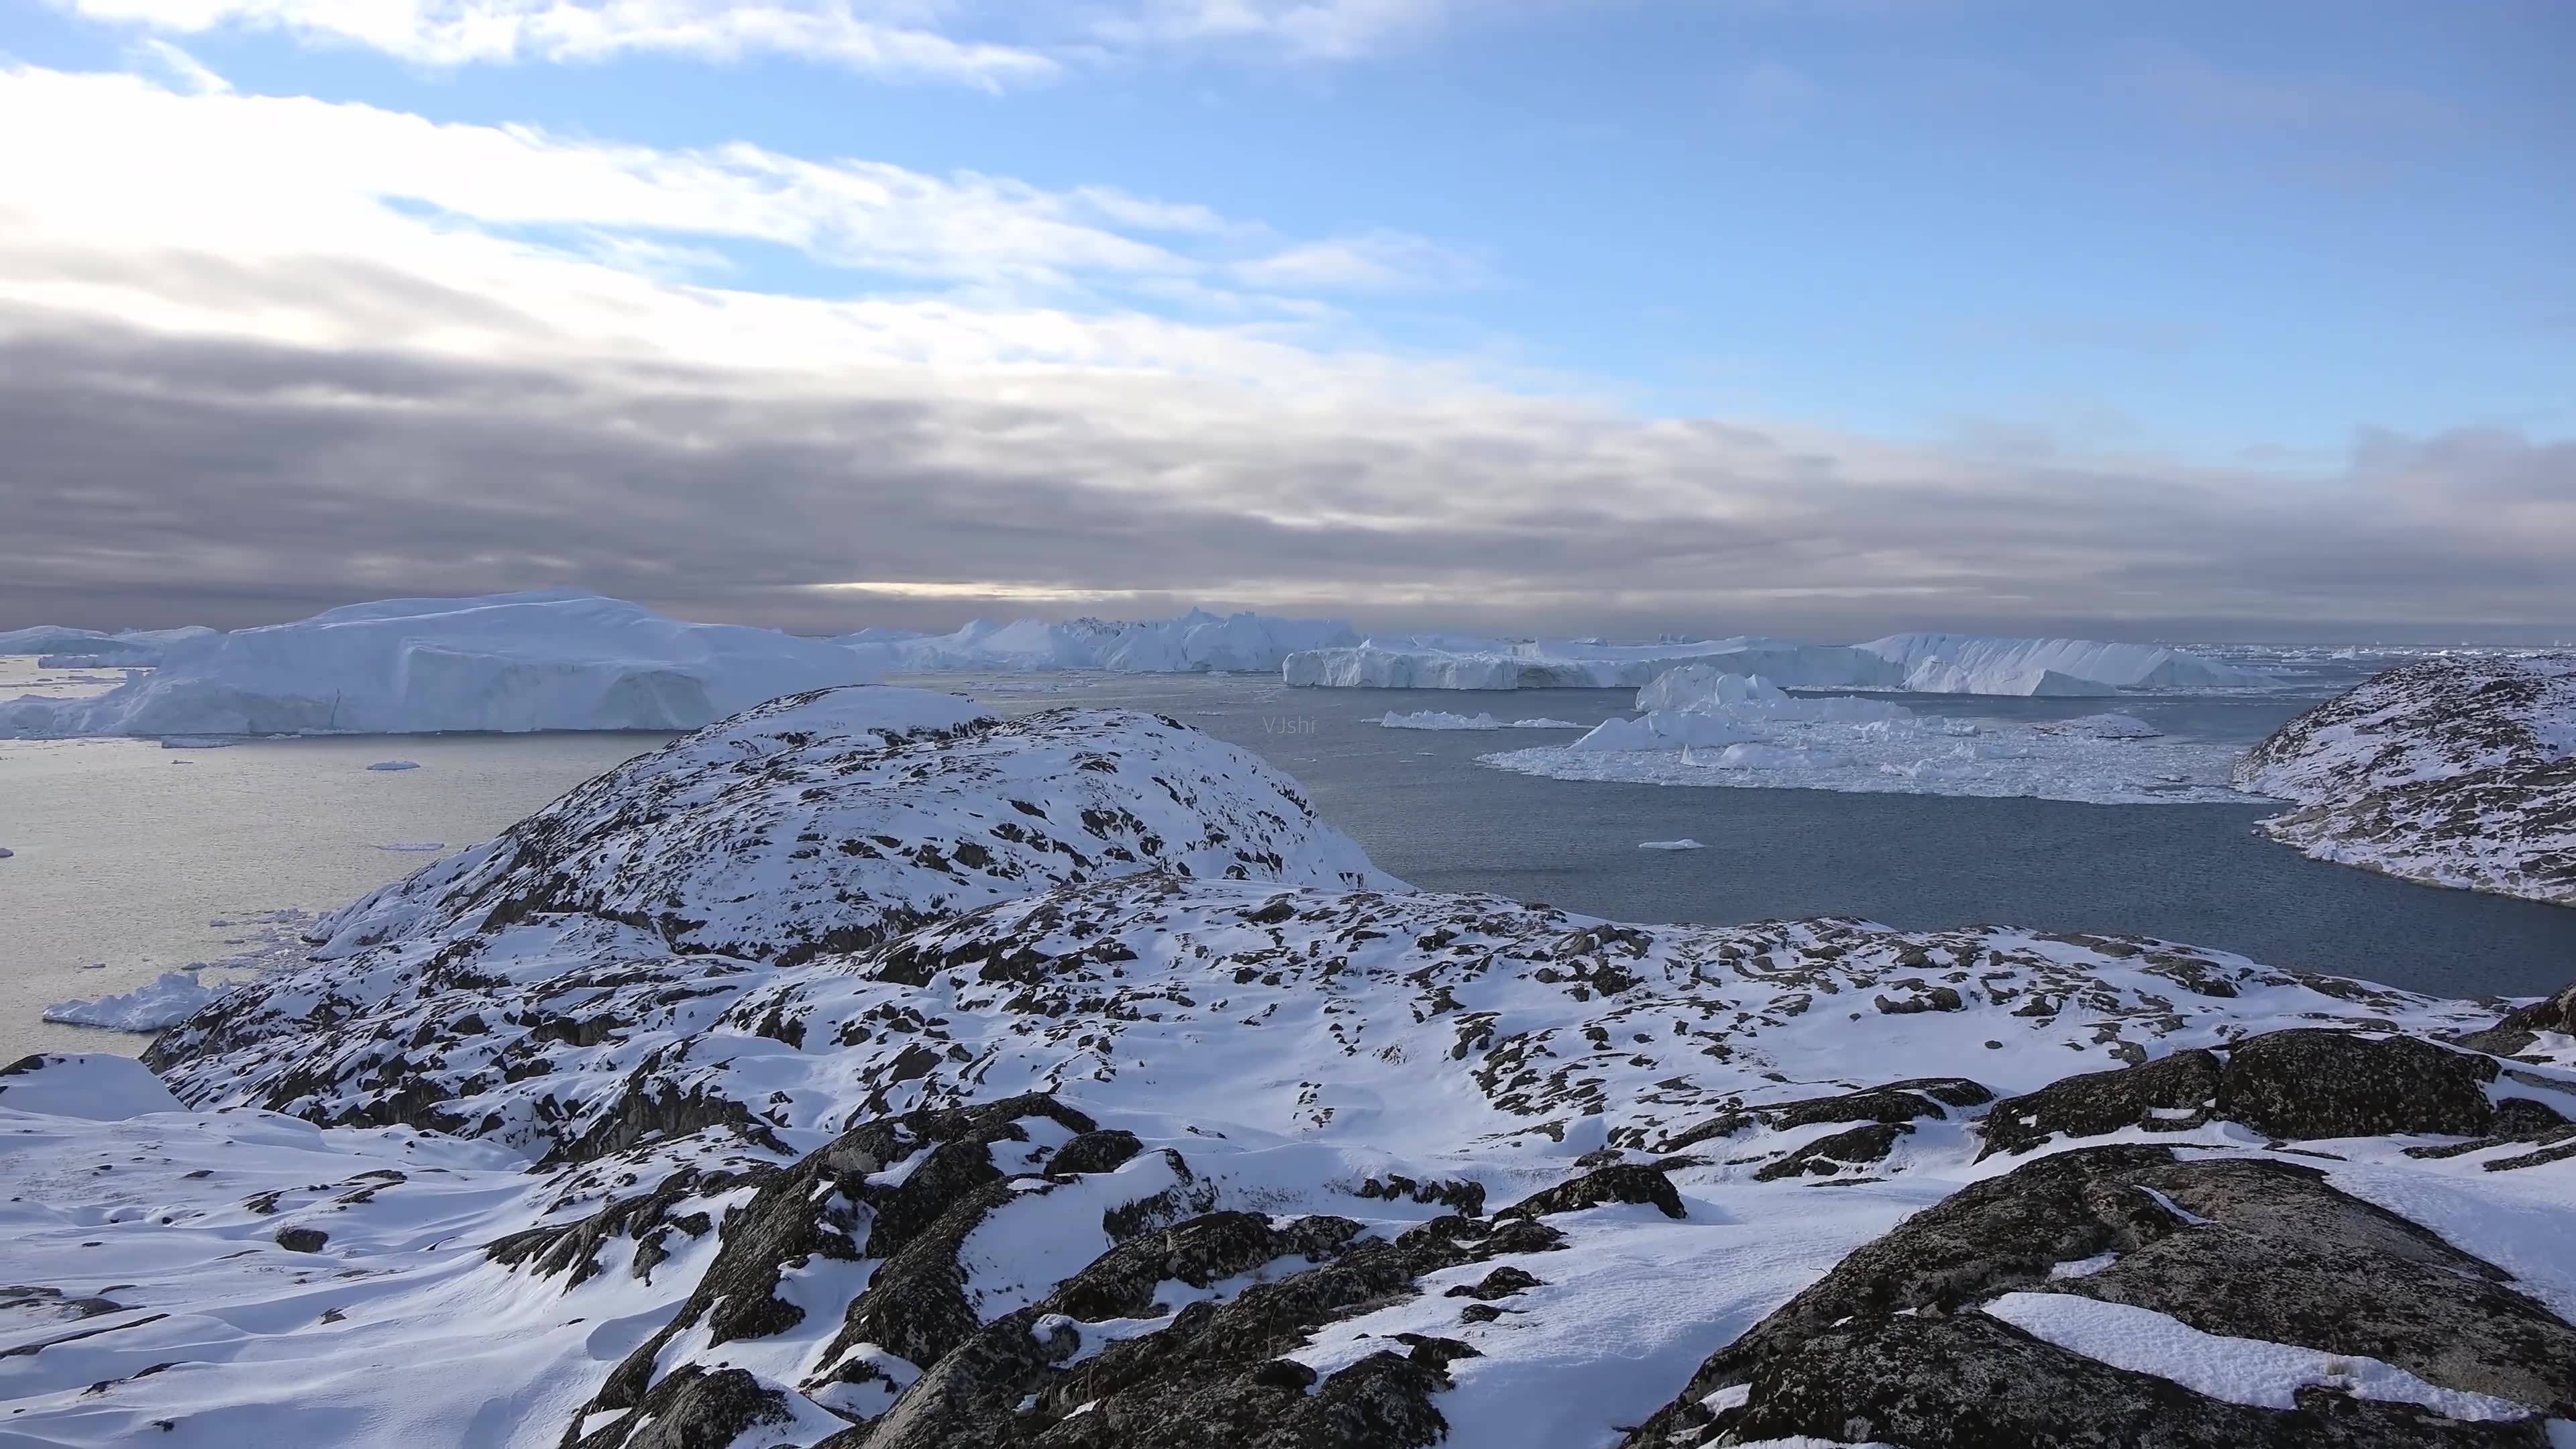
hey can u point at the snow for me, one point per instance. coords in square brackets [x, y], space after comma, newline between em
[92, 1086]
[2245, 1371]
[1196, 642]
[1277, 1023]
[160, 1003]
[1685, 843]
[506, 662]
[390, 765]
[2453, 771]
[1432, 719]
[1986, 664]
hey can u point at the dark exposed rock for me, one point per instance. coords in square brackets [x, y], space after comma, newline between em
[1627, 1182]
[1503, 1282]
[1829, 1155]
[2242, 1247]
[302, 1240]
[2519, 1028]
[572, 1248]
[693, 1409]
[2303, 1083]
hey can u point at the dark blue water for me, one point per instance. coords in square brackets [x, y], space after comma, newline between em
[1425, 810]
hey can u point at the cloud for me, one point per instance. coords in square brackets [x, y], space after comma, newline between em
[268, 355]
[992, 44]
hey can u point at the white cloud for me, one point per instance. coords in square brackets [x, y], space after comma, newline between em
[988, 43]
[252, 337]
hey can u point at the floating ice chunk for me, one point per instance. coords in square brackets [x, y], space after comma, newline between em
[1705, 684]
[6, 852]
[161, 1003]
[395, 765]
[1663, 729]
[2103, 727]
[414, 847]
[1685, 843]
[197, 742]
[1433, 719]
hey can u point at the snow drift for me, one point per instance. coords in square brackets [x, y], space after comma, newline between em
[507, 662]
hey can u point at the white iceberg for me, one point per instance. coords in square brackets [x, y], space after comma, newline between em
[1685, 843]
[504, 662]
[1662, 729]
[1986, 664]
[60, 647]
[164, 1002]
[1197, 642]
[389, 766]
[1752, 699]
[1455, 663]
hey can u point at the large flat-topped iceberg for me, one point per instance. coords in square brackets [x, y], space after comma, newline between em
[1195, 643]
[1983, 664]
[508, 662]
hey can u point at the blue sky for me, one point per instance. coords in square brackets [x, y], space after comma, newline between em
[2252, 238]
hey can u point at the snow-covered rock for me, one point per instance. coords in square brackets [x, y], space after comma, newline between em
[93, 1086]
[1195, 643]
[2456, 771]
[1984, 664]
[1062, 1150]
[512, 662]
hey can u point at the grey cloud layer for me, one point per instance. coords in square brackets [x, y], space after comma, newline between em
[150, 480]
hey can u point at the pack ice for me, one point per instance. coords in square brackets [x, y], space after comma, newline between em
[512, 662]
[865, 1072]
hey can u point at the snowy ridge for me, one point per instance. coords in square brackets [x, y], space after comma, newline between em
[1196, 642]
[662, 1120]
[2456, 771]
[537, 661]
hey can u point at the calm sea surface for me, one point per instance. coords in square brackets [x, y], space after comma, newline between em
[128, 853]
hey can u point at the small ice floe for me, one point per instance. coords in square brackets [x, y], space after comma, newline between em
[1436, 719]
[414, 847]
[6, 852]
[2102, 727]
[1685, 843]
[197, 742]
[395, 765]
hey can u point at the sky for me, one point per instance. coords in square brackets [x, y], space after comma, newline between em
[1816, 317]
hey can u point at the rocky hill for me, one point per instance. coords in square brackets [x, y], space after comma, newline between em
[841, 1077]
[2457, 771]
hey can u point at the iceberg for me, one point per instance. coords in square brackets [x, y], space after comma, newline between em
[1197, 642]
[502, 662]
[164, 1002]
[1750, 699]
[1663, 729]
[63, 648]
[1983, 664]
[1456, 663]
